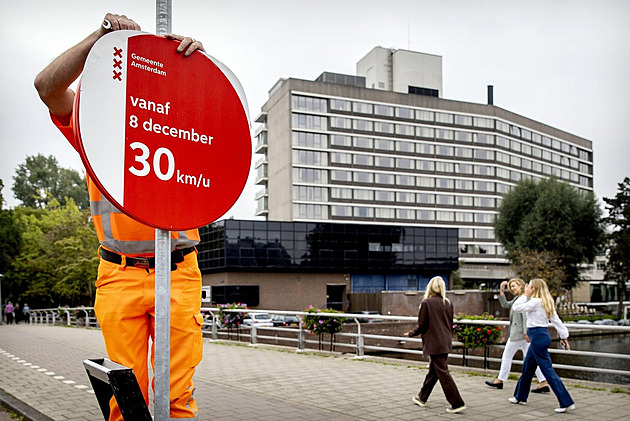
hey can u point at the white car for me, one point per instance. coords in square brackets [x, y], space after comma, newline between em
[258, 319]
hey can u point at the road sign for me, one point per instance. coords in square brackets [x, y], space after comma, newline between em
[165, 137]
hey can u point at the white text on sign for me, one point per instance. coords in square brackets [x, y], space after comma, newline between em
[145, 166]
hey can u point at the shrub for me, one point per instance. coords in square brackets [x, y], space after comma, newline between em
[474, 335]
[322, 324]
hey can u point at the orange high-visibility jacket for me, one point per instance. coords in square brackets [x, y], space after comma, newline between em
[115, 230]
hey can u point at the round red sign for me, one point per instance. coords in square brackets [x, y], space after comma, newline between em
[165, 137]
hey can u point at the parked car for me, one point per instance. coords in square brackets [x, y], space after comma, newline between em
[258, 319]
[369, 313]
[605, 322]
[207, 322]
[285, 320]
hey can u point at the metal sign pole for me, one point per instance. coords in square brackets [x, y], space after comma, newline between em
[162, 338]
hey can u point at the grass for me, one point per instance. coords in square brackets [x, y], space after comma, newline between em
[13, 415]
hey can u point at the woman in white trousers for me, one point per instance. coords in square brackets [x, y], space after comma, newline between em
[518, 337]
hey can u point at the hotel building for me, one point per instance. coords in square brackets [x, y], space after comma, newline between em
[383, 147]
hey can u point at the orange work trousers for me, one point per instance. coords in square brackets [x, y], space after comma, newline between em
[125, 308]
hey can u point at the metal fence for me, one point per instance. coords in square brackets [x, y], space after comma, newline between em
[357, 342]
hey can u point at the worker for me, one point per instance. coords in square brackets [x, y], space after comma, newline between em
[125, 294]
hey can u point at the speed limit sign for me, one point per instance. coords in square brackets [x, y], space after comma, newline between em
[165, 137]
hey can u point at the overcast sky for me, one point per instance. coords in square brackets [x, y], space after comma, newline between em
[565, 63]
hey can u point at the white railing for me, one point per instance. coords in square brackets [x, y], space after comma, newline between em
[356, 341]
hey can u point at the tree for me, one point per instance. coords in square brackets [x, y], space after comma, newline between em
[529, 264]
[617, 269]
[551, 216]
[57, 263]
[40, 179]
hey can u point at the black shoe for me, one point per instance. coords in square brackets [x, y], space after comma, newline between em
[544, 389]
[493, 384]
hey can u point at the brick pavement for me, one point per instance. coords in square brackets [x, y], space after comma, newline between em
[42, 367]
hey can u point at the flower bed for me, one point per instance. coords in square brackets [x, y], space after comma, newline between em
[475, 335]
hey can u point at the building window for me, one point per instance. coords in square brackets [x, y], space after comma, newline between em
[404, 113]
[402, 146]
[405, 180]
[444, 151]
[340, 158]
[364, 177]
[340, 105]
[484, 154]
[485, 186]
[404, 130]
[310, 157]
[425, 182]
[484, 123]
[384, 161]
[463, 136]
[463, 168]
[363, 160]
[340, 193]
[406, 214]
[340, 175]
[463, 184]
[312, 211]
[425, 132]
[340, 140]
[362, 125]
[444, 134]
[445, 199]
[484, 202]
[385, 196]
[363, 142]
[464, 201]
[422, 115]
[315, 194]
[340, 123]
[405, 197]
[445, 183]
[484, 139]
[306, 121]
[447, 167]
[425, 149]
[344, 211]
[380, 127]
[384, 110]
[444, 118]
[363, 212]
[360, 194]
[309, 175]
[405, 163]
[425, 198]
[463, 152]
[310, 140]
[385, 213]
[362, 108]
[463, 120]
[384, 144]
[384, 178]
[445, 216]
[426, 215]
[425, 166]
[307, 103]
[464, 217]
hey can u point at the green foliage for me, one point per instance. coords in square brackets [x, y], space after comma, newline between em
[322, 324]
[10, 239]
[474, 335]
[57, 263]
[551, 216]
[618, 218]
[39, 180]
[231, 319]
[529, 264]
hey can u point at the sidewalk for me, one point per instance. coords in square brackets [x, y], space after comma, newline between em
[42, 367]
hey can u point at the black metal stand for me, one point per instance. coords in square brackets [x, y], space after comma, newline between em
[110, 379]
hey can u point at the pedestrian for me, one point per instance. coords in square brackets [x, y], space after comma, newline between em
[126, 276]
[538, 304]
[8, 312]
[517, 339]
[26, 313]
[435, 324]
[17, 314]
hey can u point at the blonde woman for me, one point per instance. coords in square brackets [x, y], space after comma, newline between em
[435, 324]
[518, 338]
[537, 303]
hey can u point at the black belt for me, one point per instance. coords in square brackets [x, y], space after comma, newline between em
[177, 256]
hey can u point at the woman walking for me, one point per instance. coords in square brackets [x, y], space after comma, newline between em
[537, 303]
[435, 324]
[518, 338]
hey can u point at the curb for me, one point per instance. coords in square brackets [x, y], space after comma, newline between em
[14, 404]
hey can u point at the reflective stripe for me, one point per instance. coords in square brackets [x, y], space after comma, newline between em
[122, 234]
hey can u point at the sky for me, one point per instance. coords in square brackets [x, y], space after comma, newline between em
[565, 63]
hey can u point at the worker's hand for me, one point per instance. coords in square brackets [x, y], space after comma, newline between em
[187, 45]
[114, 22]
[406, 334]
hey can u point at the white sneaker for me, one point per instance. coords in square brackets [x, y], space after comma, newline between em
[514, 400]
[455, 410]
[418, 402]
[568, 408]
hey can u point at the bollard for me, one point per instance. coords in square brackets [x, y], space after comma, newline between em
[360, 341]
[301, 339]
[253, 338]
[215, 322]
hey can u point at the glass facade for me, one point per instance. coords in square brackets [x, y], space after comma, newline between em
[416, 253]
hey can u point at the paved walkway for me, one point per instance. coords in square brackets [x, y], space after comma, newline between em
[41, 366]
